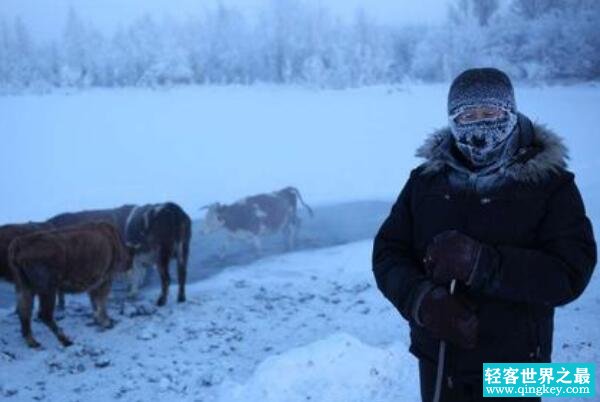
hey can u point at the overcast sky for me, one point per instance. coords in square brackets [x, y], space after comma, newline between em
[46, 17]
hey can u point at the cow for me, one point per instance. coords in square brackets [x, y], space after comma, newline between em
[7, 234]
[253, 217]
[156, 232]
[75, 259]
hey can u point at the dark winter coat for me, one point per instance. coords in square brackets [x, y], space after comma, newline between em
[542, 247]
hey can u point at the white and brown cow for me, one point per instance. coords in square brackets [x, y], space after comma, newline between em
[253, 217]
[156, 232]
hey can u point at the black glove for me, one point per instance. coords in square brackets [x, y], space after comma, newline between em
[452, 255]
[448, 317]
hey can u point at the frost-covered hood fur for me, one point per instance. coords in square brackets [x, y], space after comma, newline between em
[541, 152]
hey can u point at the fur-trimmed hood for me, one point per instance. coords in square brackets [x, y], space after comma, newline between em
[540, 153]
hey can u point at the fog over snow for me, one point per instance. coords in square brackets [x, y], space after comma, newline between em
[47, 17]
[196, 145]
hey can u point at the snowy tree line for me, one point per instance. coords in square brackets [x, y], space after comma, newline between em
[292, 42]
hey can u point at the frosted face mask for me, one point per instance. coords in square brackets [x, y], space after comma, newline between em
[481, 132]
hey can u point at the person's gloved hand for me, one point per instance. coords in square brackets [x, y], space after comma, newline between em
[448, 318]
[452, 255]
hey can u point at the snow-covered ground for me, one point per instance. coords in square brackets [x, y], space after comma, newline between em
[296, 327]
[309, 324]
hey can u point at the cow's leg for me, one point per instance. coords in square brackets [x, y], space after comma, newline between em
[290, 231]
[257, 244]
[17, 293]
[252, 239]
[98, 297]
[182, 258]
[132, 284]
[164, 255]
[61, 300]
[47, 303]
[93, 304]
[24, 308]
[293, 237]
[225, 246]
[134, 277]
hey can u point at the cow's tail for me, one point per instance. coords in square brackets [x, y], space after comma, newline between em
[30, 265]
[15, 264]
[296, 192]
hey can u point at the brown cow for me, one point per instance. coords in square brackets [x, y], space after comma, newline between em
[76, 259]
[156, 232]
[7, 234]
[12, 231]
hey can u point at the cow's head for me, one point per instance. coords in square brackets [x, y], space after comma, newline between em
[213, 219]
[140, 228]
[123, 257]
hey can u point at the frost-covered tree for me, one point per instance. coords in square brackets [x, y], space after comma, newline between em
[534, 9]
[227, 38]
[23, 57]
[299, 42]
[6, 55]
[76, 57]
[480, 11]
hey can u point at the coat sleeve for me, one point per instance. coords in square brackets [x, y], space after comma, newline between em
[554, 273]
[398, 274]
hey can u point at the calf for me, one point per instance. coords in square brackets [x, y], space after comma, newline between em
[76, 259]
[7, 234]
[156, 232]
[10, 232]
[258, 215]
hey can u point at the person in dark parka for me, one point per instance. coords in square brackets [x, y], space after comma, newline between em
[494, 208]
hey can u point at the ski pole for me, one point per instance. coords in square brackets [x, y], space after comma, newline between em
[441, 357]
